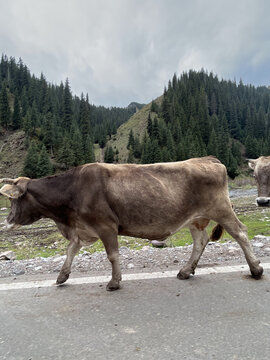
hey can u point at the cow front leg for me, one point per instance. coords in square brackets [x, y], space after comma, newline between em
[73, 247]
[200, 240]
[111, 245]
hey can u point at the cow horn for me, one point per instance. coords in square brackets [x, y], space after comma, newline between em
[7, 181]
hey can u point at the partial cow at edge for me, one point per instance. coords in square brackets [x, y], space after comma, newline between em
[102, 201]
[261, 168]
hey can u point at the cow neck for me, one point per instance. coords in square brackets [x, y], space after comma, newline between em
[53, 194]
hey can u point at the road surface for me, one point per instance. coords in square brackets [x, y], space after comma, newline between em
[222, 315]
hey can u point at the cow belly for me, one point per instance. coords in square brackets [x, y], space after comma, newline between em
[145, 233]
[160, 229]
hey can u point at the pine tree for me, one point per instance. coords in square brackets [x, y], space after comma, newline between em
[44, 166]
[67, 107]
[16, 116]
[130, 159]
[30, 168]
[156, 152]
[77, 146]
[137, 150]
[4, 107]
[149, 125]
[65, 155]
[48, 131]
[109, 155]
[89, 156]
[212, 147]
[232, 168]
[84, 118]
[171, 146]
[146, 151]
[27, 124]
[130, 140]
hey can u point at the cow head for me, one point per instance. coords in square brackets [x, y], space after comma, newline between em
[21, 212]
[261, 168]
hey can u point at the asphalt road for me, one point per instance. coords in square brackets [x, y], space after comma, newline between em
[210, 316]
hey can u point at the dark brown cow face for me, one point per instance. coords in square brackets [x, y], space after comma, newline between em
[261, 168]
[22, 210]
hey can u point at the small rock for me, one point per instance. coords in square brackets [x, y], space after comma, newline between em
[131, 266]
[38, 268]
[258, 245]
[232, 250]
[261, 238]
[7, 255]
[157, 243]
[19, 271]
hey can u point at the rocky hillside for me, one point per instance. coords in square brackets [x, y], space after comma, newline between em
[138, 124]
[12, 153]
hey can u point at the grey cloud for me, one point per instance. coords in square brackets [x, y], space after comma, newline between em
[126, 50]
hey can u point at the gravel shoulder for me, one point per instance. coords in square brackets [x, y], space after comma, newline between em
[146, 259]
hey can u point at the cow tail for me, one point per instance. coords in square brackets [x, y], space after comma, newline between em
[217, 232]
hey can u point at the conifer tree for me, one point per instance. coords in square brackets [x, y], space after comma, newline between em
[65, 155]
[149, 125]
[44, 166]
[16, 116]
[30, 168]
[212, 147]
[146, 151]
[4, 107]
[89, 156]
[156, 152]
[67, 107]
[77, 146]
[49, 131]
[27, 124]
[109, 155]
[130, 159]
[84, 118]
[130, 140]
[137, 148]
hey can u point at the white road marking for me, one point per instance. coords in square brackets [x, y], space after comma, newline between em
[126, 277]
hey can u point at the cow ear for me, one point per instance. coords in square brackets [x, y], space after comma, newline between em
[252, 163]
[11, 191]
[14, 188]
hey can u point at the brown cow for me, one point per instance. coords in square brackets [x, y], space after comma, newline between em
[148, 201]
[261, 168]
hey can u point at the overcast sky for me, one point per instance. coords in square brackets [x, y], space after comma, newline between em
[120, 51]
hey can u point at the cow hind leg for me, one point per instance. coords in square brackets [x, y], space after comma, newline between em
[111, 245]
[200, 240]
[239, 232]
[73, 247]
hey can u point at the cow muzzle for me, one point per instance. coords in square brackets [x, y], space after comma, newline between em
[10, 226]
[263, 201]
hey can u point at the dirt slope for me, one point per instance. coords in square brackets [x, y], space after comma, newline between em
[12, 154]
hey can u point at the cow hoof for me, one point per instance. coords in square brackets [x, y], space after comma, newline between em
[62, 278]
[258, 273]
[111, 286]
[182, 275]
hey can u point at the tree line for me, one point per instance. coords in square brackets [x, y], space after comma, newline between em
[57, 124]
[202, 115]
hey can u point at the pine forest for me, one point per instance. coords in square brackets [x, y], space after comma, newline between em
[199, 115]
